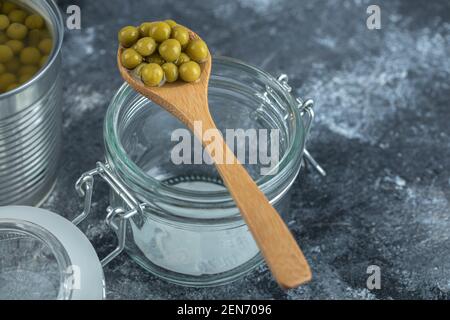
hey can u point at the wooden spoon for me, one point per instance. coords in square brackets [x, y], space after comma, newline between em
[189, 103]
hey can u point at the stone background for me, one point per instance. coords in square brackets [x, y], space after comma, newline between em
[382, 133]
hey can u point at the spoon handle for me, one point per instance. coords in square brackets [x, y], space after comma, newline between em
[279, 248]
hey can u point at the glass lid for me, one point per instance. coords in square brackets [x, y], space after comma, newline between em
[45, 257]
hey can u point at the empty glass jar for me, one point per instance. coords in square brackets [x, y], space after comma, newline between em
[178, 221]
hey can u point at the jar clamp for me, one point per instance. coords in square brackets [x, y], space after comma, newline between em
[84, 187]
[306, 109]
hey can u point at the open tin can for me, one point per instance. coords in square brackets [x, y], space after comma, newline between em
[30, 123]
[179, 221]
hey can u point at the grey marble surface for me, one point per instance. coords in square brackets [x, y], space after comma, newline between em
[382, 133]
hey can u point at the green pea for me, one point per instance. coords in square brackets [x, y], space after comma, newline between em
[155, 58]
[18, 16]
[128, 36]
[8, 6]
[145, 46]
[160, 31]
[170, 22]
[131, 59]
[182, 59]
[34, 21]
[46, 46]
[138, 70]
[30, 55]
[43, 61]
[27, 69]
[181, 34]
[190, 71]
[4, 22]
[6, 80]
[45, 33]
[144, 29]
[152, 75]
[170, 71]
[3, 38]
[15, 45]
[197, 50]
[25, 78]
[13, 65]
[34, 37]
[170, 50]
[6, 54]
[17, 31]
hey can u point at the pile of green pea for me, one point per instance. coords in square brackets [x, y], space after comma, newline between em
[25, 44]
[162, 51]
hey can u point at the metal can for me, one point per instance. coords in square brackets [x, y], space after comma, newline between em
[30, 124]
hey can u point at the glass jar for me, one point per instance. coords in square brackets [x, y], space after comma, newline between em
[179, 221]
[30, 123]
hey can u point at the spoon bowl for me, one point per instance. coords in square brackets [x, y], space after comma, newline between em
[188, 104]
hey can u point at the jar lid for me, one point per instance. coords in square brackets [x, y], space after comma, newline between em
[45, 256]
